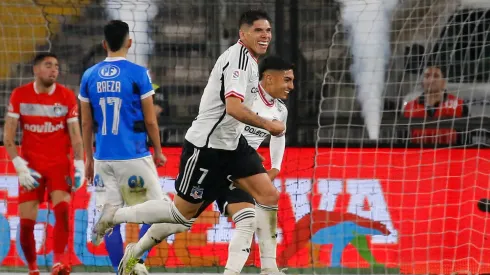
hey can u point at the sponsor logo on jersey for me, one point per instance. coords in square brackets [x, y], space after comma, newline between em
[196, 192]
[47, 127]
[254, 90]
[109, 71]
[255, 131]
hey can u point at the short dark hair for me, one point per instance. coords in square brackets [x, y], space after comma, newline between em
[41, 56]
[115, 33]
[250, 16]
[274, 62]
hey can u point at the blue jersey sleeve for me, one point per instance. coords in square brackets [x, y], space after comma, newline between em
[144, 84]
[83, 95]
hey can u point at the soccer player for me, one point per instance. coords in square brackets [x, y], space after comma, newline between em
[117, 104]
[276, 81]
[214, 148]
[48, 115]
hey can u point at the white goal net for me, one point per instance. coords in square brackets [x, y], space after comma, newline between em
[389, 152]
[407, 83]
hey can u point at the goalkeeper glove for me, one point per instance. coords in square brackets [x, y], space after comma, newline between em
[28, 178]
[79, 175]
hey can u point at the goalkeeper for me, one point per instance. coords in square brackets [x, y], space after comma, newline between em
[276, 81]
[48, 115]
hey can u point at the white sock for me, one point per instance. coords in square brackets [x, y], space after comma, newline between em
[267, 234]
[155, 235]
[150, 212]
[239, 247]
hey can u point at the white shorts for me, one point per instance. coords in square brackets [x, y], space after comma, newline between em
[128, 182]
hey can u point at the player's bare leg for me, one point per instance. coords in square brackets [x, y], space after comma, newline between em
[267, 198]
[243, 214]
[61, 206]
[28, 214]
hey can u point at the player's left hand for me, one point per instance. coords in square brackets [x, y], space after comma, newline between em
[159, 159]
[79, 175]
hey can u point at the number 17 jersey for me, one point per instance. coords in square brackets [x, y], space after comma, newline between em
[114, 88]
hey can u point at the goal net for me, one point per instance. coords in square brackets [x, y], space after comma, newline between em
[392, 185]
[420, 165]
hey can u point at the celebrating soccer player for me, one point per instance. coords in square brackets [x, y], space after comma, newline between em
[276, 81]
[214, 149]
[117, 104]
[48, 114]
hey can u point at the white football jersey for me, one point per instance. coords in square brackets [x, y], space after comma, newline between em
[268, 108]
[235, 73]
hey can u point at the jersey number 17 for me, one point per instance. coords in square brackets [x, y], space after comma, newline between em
[116, 102]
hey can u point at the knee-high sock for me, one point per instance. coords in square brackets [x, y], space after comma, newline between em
[28, 243]
[150, 212]
[267, 234]
[239, 247]
[156, 234]
[61, 230]
[114, 246]
[143, 230]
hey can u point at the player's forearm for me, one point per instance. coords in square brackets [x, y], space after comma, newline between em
[76, 140]
[277, 147]
[247, 116]
[154, 135]
[87, 137]
[10, 147]
[77, 149]
[9, 129]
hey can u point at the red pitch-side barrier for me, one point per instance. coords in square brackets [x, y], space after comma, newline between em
[409, 209]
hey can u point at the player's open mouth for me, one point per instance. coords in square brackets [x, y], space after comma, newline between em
[264, 44]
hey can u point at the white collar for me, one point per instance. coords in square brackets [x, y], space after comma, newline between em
[266, 98]
[117, 58]
[53, 88]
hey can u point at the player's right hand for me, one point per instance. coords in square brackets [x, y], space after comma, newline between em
[28, 178]
[89, 171]
[276, 127]
[159, 159]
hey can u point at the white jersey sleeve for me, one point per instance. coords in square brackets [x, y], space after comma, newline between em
[277, 144]
[234, 74]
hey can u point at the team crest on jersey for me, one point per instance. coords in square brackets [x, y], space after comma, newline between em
[58, 109]
[235, 75]
[196, 192]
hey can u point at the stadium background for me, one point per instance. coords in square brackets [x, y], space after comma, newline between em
[405, 202]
